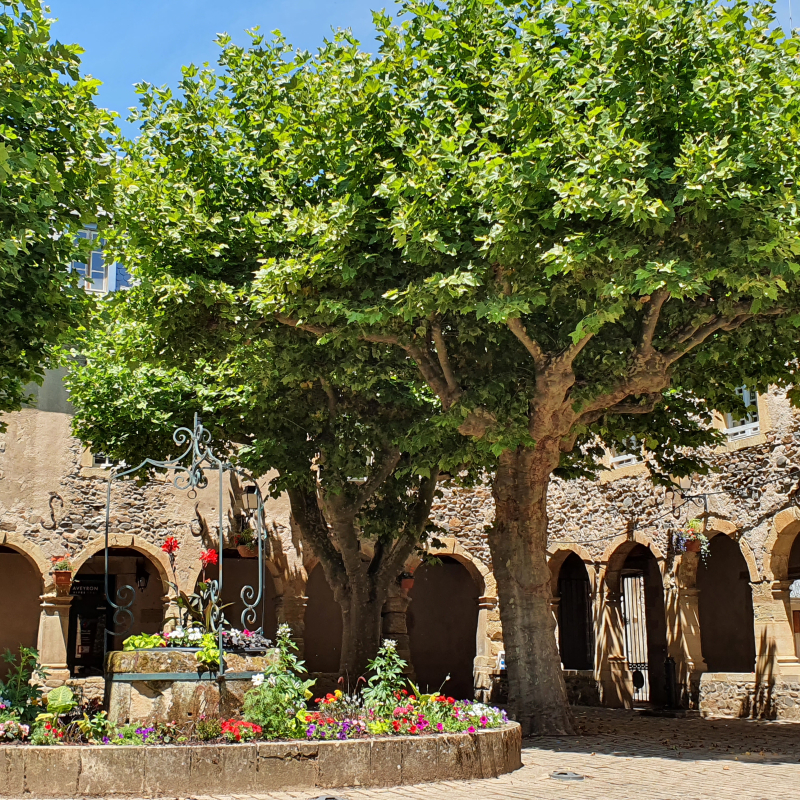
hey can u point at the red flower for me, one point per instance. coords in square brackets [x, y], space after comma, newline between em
[413, 729]
[208, 557]
[395, 724]
[171, 545]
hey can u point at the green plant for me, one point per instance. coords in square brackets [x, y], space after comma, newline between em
[19, 695]
[60, 701]
[201, 606]
[143, 640]
[277, 701]
[387, 678]
[208, 655]
[207, 729]
[246, 537]
[62, 565]
[95, 728]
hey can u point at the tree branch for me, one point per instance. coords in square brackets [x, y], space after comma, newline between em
[444, 359]
[391, 457]
[333, 401]
[651, 317]
[518, 329]
[314, 529]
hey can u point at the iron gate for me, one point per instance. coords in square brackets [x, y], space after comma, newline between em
[635, 625]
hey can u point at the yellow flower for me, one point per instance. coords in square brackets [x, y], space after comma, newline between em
[338, 693]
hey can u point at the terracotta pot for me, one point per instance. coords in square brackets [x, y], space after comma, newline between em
[692, 546]
[62, 577]
[407, 584]
[247, 551]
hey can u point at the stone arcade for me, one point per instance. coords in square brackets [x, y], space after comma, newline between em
[625, 601]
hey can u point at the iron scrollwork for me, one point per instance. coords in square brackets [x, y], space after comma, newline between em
[196, 444]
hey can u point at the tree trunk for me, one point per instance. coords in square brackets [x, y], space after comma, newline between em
[518, 544]
[361, 633]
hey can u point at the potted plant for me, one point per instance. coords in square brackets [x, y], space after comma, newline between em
[691, 539]
[246, 543]
[406, 581]
[62, 571]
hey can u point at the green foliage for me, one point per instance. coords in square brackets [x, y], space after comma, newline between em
[17, 692]
[60, 701]
[141, 641]
[95, 727]
[387, 679]
[208, 655]
[278, 703]
[208, 729]
[55, 169]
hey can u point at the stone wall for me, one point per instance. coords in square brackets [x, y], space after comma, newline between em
[749, 695]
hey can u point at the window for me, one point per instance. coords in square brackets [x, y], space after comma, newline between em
[103, 461]
[630, 455]
[94, 275]
[740, 427]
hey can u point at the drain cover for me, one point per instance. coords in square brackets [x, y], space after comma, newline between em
[563, 775]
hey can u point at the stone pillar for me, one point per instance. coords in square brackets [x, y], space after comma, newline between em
[613, 675]
[681, 604]
[772, 611]
[52, 640]
[395, 626]
[485, 664]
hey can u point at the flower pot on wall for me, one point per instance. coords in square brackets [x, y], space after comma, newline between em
[692, 546]
[247, 551]
[407, 584]
[62, 578]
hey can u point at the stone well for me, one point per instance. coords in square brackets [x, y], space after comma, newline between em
[168, 685]
[256, 767]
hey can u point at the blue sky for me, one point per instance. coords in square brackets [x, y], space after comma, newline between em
[127, 41]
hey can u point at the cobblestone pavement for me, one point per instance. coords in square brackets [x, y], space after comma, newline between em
[626, 756]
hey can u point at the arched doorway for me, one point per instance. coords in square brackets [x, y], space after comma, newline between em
[20, 589]
[442, 627]
[794, 591]
[726, 608]
[575, 629]
[323, 626]
[644, 624]
[240, 572]
[90, 615]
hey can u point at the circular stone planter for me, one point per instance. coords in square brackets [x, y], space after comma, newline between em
[167, 684]
[256, 767]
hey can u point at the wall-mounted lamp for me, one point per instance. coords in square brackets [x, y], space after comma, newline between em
[250, 498]
[142, 575]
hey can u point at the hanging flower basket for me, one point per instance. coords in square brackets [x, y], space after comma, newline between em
[246, 544]
[407, 581]
[247, 551]
[691, 539]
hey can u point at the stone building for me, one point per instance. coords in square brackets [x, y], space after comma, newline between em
[638, 620]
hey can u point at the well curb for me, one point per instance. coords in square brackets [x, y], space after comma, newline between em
[67, 771]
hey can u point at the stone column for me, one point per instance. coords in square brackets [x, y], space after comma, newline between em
[394, 624]
[681, 604]
[485, 664]
[772, 611]
[52, 640]
[613, 675]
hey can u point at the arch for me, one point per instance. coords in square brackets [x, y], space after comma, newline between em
[481, 574]
[90, 613]
[778, 546]
[32, 553]
[575, 628]
[21, 587]
[725, 601]
[617, 552]
[558, 554]
[155, 554]
[443, 626]
[689, 562]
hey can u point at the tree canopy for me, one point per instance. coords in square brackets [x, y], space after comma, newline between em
[576, 219]
[55, 177]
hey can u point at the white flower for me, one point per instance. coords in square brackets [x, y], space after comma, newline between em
[176, 634]
[390, 644]
[257, 679]
[195, 635]
[284, 630]
[272, 680]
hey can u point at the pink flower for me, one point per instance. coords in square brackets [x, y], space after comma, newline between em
[471, 729]
[484, 721]
[439, 727]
